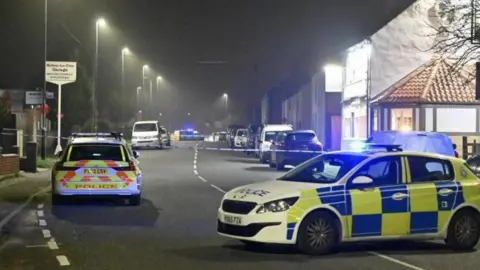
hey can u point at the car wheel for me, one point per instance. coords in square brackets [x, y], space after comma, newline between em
[135, 199]
[463, 231]
[318, 234]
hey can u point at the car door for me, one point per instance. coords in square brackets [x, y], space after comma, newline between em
[382, 208]
[433, 193]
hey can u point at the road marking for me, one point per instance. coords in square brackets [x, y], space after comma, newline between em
[42, 222]
[46, 234]
[63, 260]
[40, 213]
[17, 210]
[40, 206]
[52, 244]
[203, 179]
[195, 172]
[195, 167]
[195, 161]
[217, 188]
[388, 258]
[36, 246]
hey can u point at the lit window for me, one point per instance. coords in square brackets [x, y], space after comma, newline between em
[402, 119]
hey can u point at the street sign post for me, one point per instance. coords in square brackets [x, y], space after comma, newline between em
[60, 73]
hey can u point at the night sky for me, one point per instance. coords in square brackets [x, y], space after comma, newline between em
[172, 36]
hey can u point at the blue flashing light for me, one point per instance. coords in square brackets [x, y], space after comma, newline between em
[358, 146]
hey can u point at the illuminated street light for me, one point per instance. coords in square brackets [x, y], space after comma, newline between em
[159, 78]
[101, 22]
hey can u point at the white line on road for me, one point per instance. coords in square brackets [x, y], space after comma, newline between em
[388, 258]
[203, 179]
[217, 188]
[195, 167]
[17, 210]
[195, 172]
[42, 222]
[46, 234]
[195, 161]
[40, 213]
[52, 244]
[40, 206]
[63, 260]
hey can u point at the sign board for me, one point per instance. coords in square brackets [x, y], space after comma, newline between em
[60, 72]
[35, 97]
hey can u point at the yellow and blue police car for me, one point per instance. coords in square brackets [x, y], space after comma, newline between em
[377, 194]
[97, 164]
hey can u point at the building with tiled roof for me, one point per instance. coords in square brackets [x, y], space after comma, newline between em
[433, 97]
[438, 81]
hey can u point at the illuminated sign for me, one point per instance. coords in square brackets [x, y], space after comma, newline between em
[333, 78]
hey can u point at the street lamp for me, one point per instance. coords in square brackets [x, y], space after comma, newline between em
[225, 96]
[159, 80]
[125, 51]
[101, 22]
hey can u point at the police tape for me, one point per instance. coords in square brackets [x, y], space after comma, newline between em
[244, 150]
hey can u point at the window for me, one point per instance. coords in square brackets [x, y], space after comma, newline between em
[96, 152]
[301, 136]
[375, 120]
[402, 119]
[145, 127]
[326, 168]
[384, 171]
[163, 131]
[425, 169]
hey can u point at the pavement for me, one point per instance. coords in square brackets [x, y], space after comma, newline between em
[175, 226]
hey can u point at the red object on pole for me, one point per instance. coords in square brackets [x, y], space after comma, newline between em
[60, 115]
[44, 109]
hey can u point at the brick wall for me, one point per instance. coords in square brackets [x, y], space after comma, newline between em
[9, 164]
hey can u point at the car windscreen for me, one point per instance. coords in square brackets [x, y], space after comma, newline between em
[145, 127]
[241, 133]
[324, 169]
[163, 131]
[272, 135]
[96, 152]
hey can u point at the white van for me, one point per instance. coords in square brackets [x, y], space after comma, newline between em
[267, 136]
[146, 134]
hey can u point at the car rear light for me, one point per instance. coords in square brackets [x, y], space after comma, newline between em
[130, 167]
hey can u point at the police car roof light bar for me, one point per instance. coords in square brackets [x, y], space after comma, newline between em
[115, 135]
[388, 147]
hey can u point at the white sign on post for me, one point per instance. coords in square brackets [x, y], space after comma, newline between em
[60, 73]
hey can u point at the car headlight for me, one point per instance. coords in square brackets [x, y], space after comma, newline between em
[277, 206]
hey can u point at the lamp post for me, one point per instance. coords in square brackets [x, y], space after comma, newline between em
[225, 97]
[99, 23]
[125, 51]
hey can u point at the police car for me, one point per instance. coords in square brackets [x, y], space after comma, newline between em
[97, 164]
[378, 193]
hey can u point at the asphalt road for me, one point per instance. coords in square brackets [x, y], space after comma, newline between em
[175, 227]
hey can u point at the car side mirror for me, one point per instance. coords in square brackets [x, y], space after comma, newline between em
[363, 181]
[136, 154]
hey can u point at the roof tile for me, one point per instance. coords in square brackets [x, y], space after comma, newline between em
[434, 82]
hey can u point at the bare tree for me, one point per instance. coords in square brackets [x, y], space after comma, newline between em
[457, 32]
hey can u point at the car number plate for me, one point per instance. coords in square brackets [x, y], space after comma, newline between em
[232, 220]
[94, 171]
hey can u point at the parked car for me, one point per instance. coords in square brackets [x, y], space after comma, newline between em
[267, 136]
[285, 150]
[240, 138]
[231, 132]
